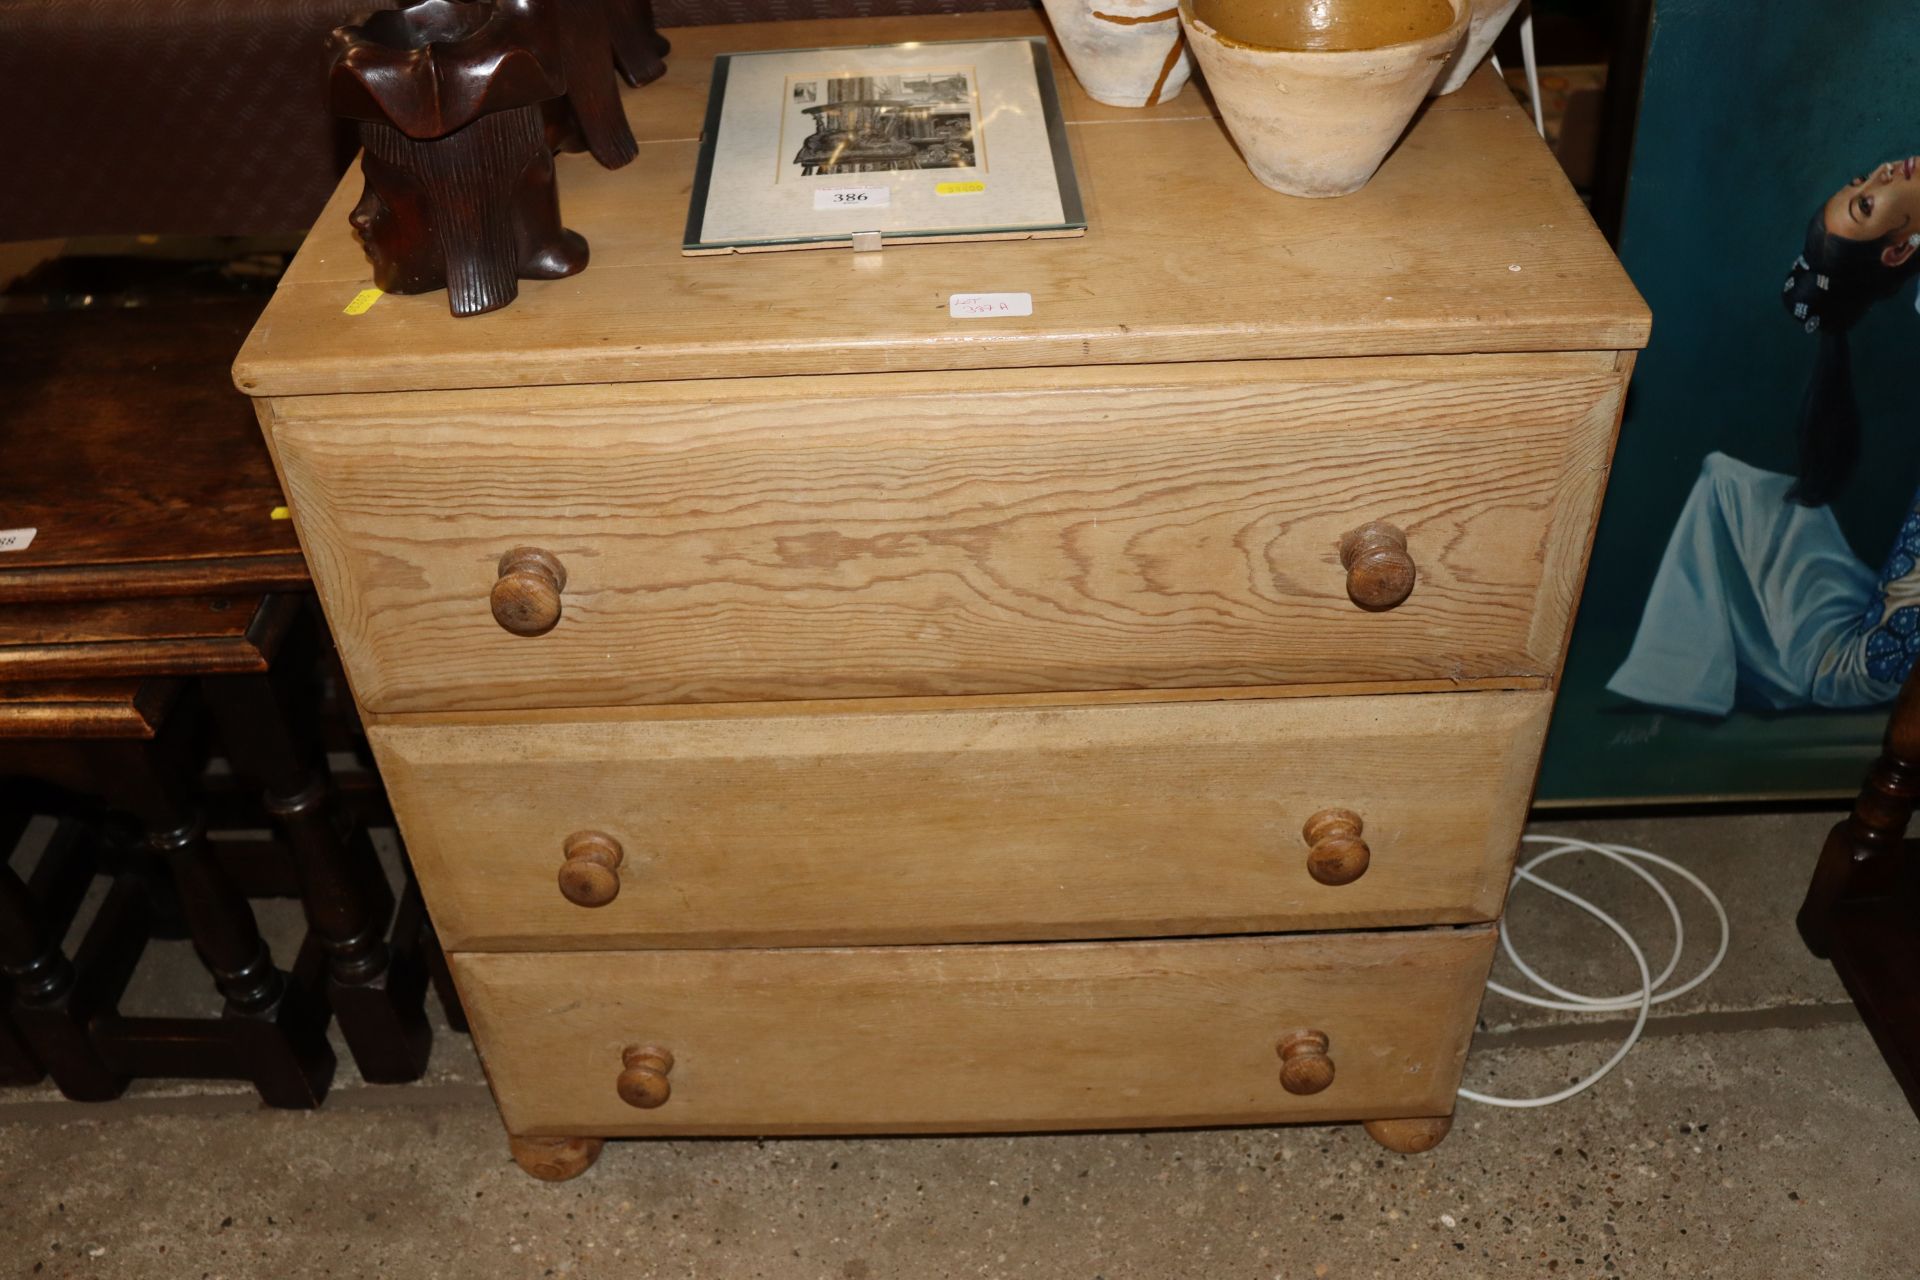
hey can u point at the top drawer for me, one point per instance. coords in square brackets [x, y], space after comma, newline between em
[892, 535]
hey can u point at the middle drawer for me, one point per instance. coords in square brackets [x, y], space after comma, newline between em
[967, 825]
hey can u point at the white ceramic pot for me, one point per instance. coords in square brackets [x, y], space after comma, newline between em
[1125, 53]
[1490, 18]
[1318, 123]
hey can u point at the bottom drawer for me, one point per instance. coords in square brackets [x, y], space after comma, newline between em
[1024, 1037]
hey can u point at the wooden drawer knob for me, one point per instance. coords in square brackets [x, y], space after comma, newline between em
[1304, 1064]
[1379, 569]
[1336, 854]
[590, 876]
[526, 595]
[644, 1083]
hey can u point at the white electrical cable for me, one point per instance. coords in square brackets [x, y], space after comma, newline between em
[1531, 60]
[1650, 992]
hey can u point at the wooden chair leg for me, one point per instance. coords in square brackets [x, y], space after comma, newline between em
[1863, 852]
[377, 996]
[1863, 901]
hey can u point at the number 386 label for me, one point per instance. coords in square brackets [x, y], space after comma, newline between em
[852, 198]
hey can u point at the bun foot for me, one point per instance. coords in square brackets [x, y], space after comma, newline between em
[555, 1159]
[1410, 1137]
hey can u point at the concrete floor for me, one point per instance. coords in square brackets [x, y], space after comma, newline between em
[1755, 1132]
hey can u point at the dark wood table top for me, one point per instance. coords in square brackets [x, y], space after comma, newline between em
[133, 457]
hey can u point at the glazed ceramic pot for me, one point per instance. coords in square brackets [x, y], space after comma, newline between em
[1318, 122]
[1125, 53]
[1490, 18]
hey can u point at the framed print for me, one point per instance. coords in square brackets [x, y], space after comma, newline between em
[813, 148]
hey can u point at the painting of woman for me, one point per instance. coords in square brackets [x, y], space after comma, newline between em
[1759, 601]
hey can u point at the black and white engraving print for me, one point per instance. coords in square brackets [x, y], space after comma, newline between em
[878, 124]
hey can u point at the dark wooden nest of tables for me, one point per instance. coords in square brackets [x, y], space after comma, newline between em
[161, 612]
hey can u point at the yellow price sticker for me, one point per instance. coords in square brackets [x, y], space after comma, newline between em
[363, 302]
[279, 513]
[959, 188]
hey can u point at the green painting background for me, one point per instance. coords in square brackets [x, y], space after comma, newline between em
[1754, 112]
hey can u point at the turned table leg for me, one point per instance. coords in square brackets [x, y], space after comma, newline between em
[555, 1159]
[378, 998]
[46, 1007]
[18, 1066]
[434, 957]
[275, 1029]
[1410, 1137]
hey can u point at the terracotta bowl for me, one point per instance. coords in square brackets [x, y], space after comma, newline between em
[1319, 123]
[1125, 53]
[1490, 18]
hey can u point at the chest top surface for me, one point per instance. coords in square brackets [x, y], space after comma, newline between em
[1468, 240]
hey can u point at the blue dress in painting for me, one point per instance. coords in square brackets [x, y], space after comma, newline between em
[1760, 602]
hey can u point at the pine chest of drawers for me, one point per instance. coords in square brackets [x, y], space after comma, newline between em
[808, 712]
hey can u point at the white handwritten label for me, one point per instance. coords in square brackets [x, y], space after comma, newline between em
[852, 198]
[983, 306]
[16, 539]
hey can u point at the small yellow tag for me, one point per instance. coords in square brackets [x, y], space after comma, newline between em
[959, 188]
[363, 302]
[279, 513]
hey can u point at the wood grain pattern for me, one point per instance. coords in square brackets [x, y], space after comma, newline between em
[1571, 542]
[1186, 258]
[863, 540]
[967, 825]
[1007, 1038]
[124, 444]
